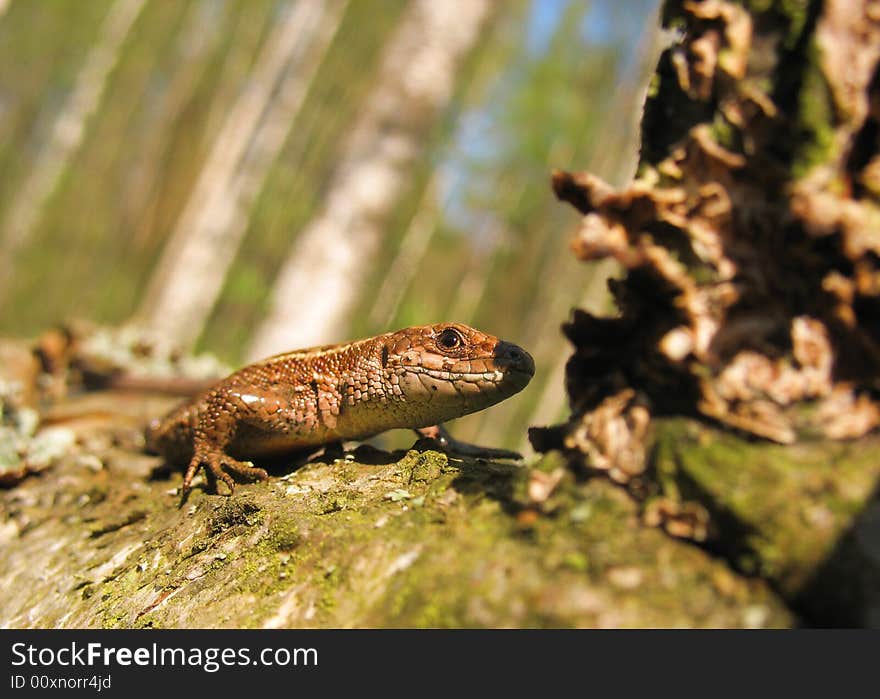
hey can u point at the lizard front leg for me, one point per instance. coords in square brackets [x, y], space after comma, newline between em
[215, 428]
[450, 444]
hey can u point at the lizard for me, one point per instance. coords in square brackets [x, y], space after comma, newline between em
[415, 378]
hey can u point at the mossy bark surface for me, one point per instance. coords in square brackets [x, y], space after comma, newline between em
[803, 517]
[372, 539]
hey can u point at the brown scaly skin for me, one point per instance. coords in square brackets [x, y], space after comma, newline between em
[414, 378]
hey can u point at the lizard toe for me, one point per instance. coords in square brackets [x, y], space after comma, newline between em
[245, 469]
[215, 466]
[194, 465]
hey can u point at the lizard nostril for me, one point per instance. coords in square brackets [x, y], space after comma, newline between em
[515, 357]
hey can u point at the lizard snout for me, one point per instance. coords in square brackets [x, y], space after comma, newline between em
[511, 357]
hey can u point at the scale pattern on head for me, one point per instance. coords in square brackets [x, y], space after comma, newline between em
[447, 370]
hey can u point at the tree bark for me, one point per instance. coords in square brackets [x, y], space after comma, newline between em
[750, 301]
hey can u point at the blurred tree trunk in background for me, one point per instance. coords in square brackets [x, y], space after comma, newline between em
[194, 263]
[615, 159]
[330, 260]
[66, 135]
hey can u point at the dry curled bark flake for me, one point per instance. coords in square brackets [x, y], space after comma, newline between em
[750, 239]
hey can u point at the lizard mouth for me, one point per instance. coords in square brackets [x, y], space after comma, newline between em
[496, 376]
[514, 377]
[518, 378]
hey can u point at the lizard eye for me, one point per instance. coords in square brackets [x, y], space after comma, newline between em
[450, 339]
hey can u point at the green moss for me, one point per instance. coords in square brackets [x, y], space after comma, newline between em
[274, 554]
[790, 15]
[724, 133]
[759, 6]
[797, 12]
[426, 469]
[240, 511]
[284, 536]
[816, 119]
[780, 510]
[653, 86]
[577, 561]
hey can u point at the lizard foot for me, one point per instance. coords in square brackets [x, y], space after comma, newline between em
[219, 466]
[451, 445]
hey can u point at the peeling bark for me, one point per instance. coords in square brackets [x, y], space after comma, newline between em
[750, 240]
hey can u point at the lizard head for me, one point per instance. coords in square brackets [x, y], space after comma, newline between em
[452, 369]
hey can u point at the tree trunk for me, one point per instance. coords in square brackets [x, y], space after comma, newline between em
[67, 135]
[206, 238]
[751, 301]
[320, 280]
